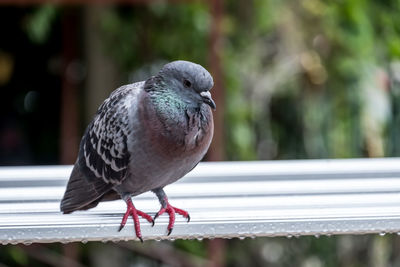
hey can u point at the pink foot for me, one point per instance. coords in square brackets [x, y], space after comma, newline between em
[171, 210]
[131, 210]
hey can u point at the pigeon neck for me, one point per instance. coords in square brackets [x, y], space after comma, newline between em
[168, 103]
[165, 98]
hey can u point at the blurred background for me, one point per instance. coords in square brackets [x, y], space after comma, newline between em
[293, 80]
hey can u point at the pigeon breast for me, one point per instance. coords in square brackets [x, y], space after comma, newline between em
[167, 143]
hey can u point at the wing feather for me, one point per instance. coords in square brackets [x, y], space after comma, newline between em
[103, 151]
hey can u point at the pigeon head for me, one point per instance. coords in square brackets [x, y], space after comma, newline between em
[189, 80]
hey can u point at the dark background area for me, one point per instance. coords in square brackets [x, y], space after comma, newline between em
[30, 112]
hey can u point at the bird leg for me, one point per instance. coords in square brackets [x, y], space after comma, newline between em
[131, 210]
[168, 208]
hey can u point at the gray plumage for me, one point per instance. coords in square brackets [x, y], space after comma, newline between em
[145, 136]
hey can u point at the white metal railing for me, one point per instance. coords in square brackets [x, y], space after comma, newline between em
[224, 199]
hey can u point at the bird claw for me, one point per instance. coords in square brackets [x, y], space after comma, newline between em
[171, 210]
[169, 231]
[160, 212]
[132, 211]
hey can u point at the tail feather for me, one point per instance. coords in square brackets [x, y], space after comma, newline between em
[82, 194]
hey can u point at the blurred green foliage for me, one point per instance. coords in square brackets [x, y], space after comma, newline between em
[305, 68]
[38, 24]
[135, 36]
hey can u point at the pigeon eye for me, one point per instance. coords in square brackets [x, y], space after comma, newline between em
[187, 83]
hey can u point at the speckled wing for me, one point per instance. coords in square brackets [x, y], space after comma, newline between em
[103, 151]
[103, 155]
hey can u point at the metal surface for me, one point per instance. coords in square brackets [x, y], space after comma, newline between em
[226, 199]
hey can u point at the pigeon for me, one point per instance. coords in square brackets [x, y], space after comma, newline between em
[145, 136]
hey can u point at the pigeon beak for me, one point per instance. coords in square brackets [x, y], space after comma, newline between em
[206, 95]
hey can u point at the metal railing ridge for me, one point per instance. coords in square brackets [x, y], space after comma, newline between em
[224, 199]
